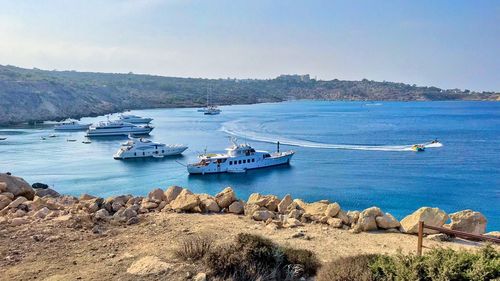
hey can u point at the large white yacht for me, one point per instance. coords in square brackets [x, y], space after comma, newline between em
[71, 126]
[141, 147]
[117, 128]
[238, 159]
[130, 118]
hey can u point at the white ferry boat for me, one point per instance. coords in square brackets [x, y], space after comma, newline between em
[134, 119]
[238, 159]
[71, 126]
[117, 128]
[141, 147]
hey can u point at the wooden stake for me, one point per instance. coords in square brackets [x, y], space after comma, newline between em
[420, 237]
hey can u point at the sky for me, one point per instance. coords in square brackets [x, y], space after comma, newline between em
[448, 44]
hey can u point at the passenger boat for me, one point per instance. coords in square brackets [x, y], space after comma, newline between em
[71, 126]
[134, 119]
[117, 128]
[418, 147]
[238, 159]
[141, 147]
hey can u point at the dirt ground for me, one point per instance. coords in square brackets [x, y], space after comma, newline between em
[49, 250]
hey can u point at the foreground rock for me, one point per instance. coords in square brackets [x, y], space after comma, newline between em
[149, 265]
[468, 221]
[430, 216]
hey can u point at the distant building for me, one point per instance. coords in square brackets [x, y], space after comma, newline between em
[294, 78]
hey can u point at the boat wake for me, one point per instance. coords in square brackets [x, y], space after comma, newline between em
[231, 129]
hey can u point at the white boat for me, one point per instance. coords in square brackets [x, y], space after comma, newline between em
[117, 128]
[71, 126]
[212, 110]
[238, 159]
[87, 141]
[134, 119]
[141, 147]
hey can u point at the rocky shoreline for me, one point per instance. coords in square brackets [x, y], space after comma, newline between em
[21, 204]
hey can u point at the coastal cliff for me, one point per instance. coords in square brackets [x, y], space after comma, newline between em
[30, 95]
[59, 237]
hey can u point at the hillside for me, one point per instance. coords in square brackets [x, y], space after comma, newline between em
[28, 95]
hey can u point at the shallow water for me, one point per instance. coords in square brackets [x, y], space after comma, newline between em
[355, 153]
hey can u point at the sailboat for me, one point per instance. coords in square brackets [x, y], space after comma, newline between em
[210, 109]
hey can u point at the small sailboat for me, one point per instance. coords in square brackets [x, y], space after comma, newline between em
[210, 109]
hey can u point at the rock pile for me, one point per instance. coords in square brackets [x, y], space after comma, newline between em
[20, 204]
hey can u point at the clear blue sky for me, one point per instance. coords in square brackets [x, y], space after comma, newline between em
[441, 43]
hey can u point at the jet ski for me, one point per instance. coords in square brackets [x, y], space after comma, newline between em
[418, 147]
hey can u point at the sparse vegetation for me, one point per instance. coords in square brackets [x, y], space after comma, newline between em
[437, 264]
[253, 257]
[195, 247]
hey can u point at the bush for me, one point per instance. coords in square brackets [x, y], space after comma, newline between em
[355, 268]
[253, 257]
[194, 248]
[439, 264]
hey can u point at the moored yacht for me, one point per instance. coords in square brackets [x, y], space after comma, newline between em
[71, 126]
[211, 110]
[134, 119]
[237, 159]
[141, 147]
[117, 128]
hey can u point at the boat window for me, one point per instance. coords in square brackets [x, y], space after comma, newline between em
[266, 155]
[163, 151]
[253, 159]
[143, 153]
[239, 161]
[230, 162]
[135, 154]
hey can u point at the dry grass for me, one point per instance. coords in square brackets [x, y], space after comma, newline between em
[194, 248]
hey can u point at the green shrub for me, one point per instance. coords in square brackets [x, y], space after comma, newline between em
[440, 265]
[356, 268]
[252, 257]
[194, 248]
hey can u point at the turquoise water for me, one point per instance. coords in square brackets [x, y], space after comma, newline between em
[354, 153]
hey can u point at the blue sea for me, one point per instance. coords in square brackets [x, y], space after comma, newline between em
[355, 153]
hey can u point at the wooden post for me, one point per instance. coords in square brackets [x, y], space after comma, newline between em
[420, 237]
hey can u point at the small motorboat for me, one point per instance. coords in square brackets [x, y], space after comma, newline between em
[43, 138]
[52, 136]
[86, 141]
[70, 140]
[2, 138]
[418, 147]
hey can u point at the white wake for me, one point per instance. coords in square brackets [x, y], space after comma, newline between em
[231, 129]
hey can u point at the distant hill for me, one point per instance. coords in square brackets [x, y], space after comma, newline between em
[28, 95]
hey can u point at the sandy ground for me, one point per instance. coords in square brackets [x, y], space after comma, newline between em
[52, 251]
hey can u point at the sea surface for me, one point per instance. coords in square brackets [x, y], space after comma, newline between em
[355, 153]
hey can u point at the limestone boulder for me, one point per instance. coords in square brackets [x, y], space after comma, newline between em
[102, 214]
[332, 210]
[42, 213]
[342, 215]
[46, 192]
[17, 186]
[367, 221]
[284, 204]
[430, 216]
[172, 192]
[316, 209]
[297, 204]
[18, 221]
[8, 195]
[387, 221]
[237, 207]
[86, 196]
[292, 222]
[156, 195]
[270, 202]
[149, 205]
[249, 209]
[296, 213]
[334, 222]
[3, 187]
[468, 221]
[185, 201]
[18, 201]
[494, 234]
[149, 265]
[225, 197]
[4, 201]
[209, 205]
[263, 215]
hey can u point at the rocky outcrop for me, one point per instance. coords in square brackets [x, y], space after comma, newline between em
[430, 216]
[172, 192]
[269, 202]
[46, 192]
[284, 203]
[17, 186]
[468, 221]
[237, 207]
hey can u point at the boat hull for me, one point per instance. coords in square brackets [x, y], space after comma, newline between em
[283, 159]
[107, 133]
[154, 153]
